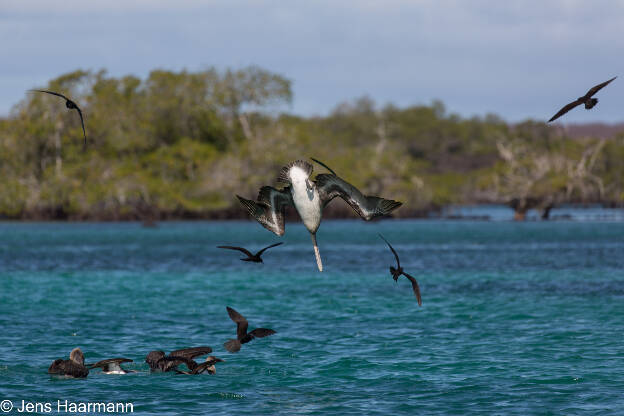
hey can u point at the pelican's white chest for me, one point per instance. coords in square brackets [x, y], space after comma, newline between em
[306, 199]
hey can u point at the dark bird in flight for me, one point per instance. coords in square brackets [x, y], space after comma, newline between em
[399, 271]
[586, 99]
[251, 257]
[72, 368]
[309, 197]
[159, 362]
[71, 105]
[242, 336]
[112, 366]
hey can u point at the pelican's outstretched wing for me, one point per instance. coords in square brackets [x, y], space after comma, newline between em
[368, 207]
[270, 208]
[597, 88]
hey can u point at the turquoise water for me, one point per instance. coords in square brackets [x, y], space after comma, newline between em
[516, 318]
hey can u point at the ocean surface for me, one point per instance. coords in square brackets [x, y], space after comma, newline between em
[517, 318]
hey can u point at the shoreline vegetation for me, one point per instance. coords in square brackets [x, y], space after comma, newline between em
[181, 145]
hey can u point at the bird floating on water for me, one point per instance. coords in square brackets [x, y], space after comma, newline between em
[112, 366]
[398, 271]
[251, 257]
[70, 105]
[159, 362]
[72, 368]
[586, 99]
[207, 366]
[242, 336]
[309, 198]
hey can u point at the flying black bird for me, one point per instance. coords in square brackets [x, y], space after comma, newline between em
[72, 368]
[251, 257]
[399, 271]
[242, 336]
[112, 366]
[159, 362]
[71, 105]
[586, 99]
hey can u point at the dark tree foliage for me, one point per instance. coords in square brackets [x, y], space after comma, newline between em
[181, 144]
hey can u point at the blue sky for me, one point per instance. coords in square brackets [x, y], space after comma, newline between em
[517, 59]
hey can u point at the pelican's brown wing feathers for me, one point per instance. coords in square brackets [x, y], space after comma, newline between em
[368, 207]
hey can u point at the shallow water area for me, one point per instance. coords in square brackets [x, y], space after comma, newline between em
[517, 318]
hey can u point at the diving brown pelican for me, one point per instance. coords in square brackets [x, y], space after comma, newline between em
[309, 198]
[586, 99]
[72, 368]
[399, 271]
[159, 362]
[70, 105]
[251, 257]
[112, 366]
[242, 336]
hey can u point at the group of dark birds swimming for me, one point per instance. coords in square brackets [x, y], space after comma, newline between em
[309, 197]
[158, 361]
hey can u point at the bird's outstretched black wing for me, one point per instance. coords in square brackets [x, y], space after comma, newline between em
[597, 88]
[261, 332]
[241, 322]
[244, 250]
[396, 256]
[268, 247]
[53, 93]
[415, 287]
[84, 133]
[324, 165]
[565, 109]
[191, 353]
